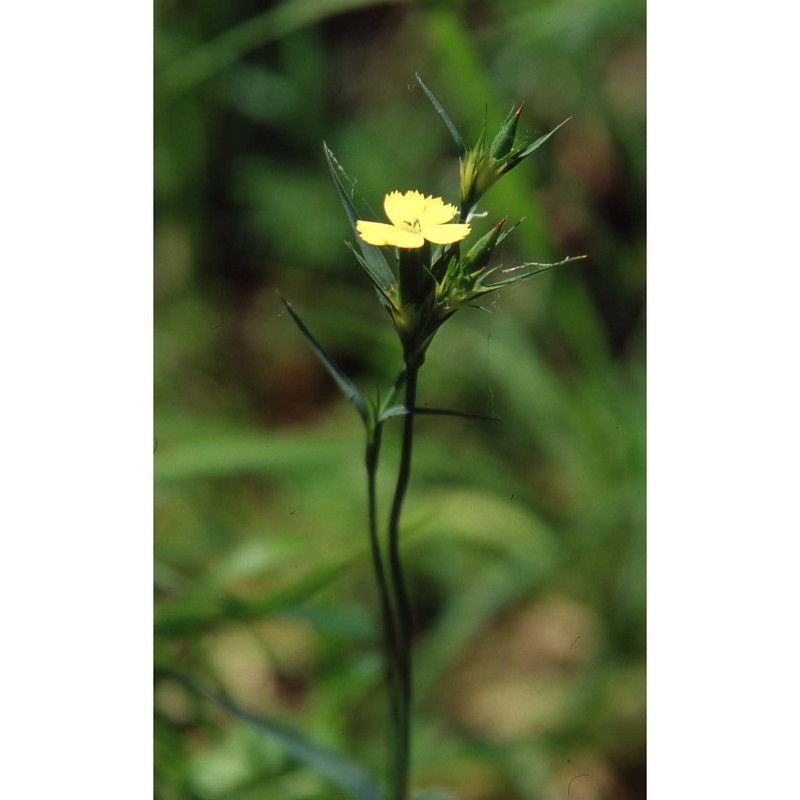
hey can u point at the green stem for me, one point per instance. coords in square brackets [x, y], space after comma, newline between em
[389, 626]
[400, 788]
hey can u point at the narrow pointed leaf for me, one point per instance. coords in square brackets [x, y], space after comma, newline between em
[342, 381]
[400, 411]
[382, 295]
[520, 155]
[374, 261]
[340, 771]
[445, 118]
[536, 270]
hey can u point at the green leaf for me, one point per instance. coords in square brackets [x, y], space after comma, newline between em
[340, 771]
[400, 411]
[462, 148]
[342, 381]
[374, 261]
[523, 153]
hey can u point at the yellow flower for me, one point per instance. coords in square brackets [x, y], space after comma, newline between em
[414, 219]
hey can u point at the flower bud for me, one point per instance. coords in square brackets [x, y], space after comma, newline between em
[478, 174]
[502, 143]
[480, 254]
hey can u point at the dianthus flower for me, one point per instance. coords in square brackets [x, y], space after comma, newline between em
[415, 218]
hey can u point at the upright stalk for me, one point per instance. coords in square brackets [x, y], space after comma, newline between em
[392, 649]
[400, 787]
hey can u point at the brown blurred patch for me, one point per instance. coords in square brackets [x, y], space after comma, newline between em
[587, 153]
[587, 776]
[514, 680]
[626, 78]
[468, 779]
[265, 668]
[172, 700]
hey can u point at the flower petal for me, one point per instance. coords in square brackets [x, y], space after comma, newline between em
[380, 234]
[404, 209]
[436, 212]
[446, 234]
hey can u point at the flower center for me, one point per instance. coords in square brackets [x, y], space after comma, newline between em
[412, 227]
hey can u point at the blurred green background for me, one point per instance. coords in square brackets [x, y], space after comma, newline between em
[524, 540]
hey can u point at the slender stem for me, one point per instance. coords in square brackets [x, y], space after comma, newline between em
[400, 788]
[389, 626]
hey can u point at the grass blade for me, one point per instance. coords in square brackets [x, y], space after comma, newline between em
[213, 56]
[340, 771]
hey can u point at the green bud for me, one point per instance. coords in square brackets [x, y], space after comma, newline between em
[502, 143]
[478, 174]
[480, 254]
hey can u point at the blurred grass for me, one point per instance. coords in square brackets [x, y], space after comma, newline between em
[525, 539]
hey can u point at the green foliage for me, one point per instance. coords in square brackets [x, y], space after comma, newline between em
[340, 771]
[524, 542]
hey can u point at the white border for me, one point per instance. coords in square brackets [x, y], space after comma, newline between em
[723, 400]
[76, 255]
